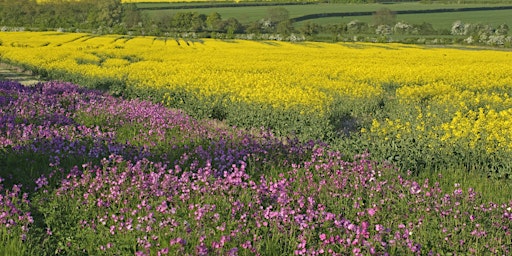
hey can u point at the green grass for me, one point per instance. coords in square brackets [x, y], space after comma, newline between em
[492, 190]
[10, 246]
[212, 3]
[438, 20]
[445, 20]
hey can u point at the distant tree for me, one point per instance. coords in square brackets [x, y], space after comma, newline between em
[254, 28]
[198, 22]
[335, 30]
[384, 16]
[404, 28]
[425, 29]
[357, 26]
[275, 15]
[27, 11]
[232, 25]
[56, 14]
[458, 28]
[502, 30]
[284, 27]
[68, 14]
[214, 22]
[383, 30]
[188, 22]
[309, 29]
[153, 30]
[17, 13]
[132, 16]
[164, 22]
[109, 12]
[76, 13]
[278, 14]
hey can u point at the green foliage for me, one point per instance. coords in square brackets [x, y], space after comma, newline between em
[10, 245]
[283, 122]
[309, 29]
[418, 150]
[188, 22]
[23, 167]
[213, 21]
[384, 16]
[277, 14]
[254, 19]
[285, 27]
[413, 144]
[84, 14]
[248, 115]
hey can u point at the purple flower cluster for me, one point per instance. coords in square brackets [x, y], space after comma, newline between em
[138, 178]
[323, 206]
[39, 119]
[68, 124]
[15, 217]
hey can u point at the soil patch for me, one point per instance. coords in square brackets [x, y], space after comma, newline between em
[13, 73]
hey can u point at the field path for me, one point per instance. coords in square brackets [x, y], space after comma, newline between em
[10, 72]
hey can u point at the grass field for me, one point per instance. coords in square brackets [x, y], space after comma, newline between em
[438, 20]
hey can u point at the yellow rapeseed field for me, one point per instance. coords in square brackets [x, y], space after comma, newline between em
[449, 94]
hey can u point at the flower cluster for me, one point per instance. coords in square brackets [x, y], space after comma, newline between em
[325, 205]
[65, 124]
[313, 89]
[15, 217]
[137, 178]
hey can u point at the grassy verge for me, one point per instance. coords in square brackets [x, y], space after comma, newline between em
[9, 72]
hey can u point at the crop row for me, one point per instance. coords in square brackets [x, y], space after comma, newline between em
[423, 107]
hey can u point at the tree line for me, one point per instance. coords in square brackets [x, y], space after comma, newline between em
[113, 17]
[83, 14]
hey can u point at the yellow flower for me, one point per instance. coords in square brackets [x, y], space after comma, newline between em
[458, 98]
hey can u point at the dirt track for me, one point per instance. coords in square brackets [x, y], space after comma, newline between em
[9, 72]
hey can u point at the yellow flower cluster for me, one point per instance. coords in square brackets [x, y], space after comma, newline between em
[452, 93]
[283, 75]
[487, 129]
